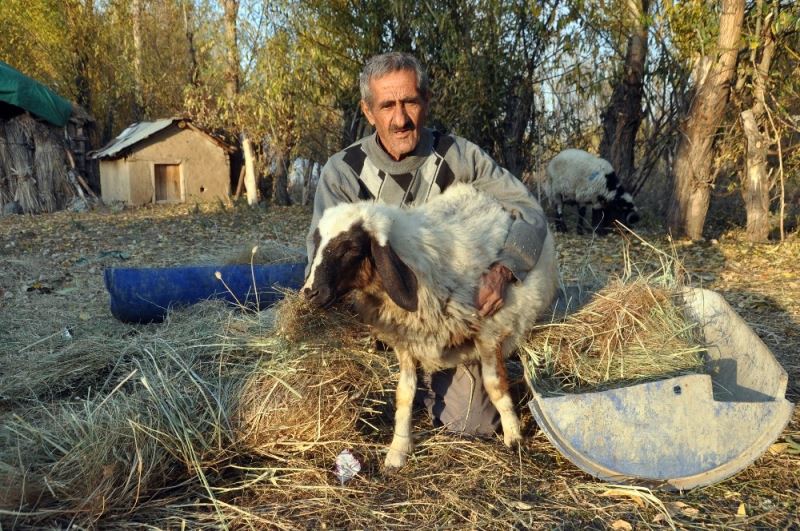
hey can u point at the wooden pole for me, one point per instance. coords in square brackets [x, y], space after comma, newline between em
[240, 184]
[80, 181]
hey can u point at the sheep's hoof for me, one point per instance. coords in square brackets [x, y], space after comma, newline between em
[395, 460]
[512, 437]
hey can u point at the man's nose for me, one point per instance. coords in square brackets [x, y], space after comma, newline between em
[400, 115]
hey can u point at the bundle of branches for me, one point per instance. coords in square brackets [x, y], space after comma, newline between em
[33, 157]
[19, 163]
[6, 194]
[629, 332]
[50, 168]
[27, 194]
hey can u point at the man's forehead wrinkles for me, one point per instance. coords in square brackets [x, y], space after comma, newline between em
[398, 95]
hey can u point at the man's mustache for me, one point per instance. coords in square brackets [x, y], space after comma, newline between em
[408, 126]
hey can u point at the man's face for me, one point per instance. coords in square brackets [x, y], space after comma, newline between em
[397, 111]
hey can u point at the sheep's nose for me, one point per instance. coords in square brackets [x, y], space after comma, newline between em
[307, 293]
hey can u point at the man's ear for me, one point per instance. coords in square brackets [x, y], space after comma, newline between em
[398, 279]
[367, 112]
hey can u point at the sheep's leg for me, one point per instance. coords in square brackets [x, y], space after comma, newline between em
[581, 218]
[598, 217]
[402, 442]
[495, 380]
[560, 225]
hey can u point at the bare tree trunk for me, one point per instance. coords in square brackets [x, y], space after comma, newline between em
[623, 116]
[188, 22]
[231, 8]
[307, 174]
[280, 180]
[355, 125]
[250, 179]
[692, 169]
[138, 96]
[232, 46]
[78, 15]
[755, 181]
[518, 118]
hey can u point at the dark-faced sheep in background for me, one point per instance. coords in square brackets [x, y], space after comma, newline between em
[577, 177]
[414, 274]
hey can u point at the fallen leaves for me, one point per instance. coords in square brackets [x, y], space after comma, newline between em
[789, 446]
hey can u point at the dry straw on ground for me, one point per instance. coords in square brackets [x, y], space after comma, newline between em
[220, 418]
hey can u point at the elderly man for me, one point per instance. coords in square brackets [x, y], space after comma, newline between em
[404, 163]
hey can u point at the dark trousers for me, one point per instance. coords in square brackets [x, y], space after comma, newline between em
[456, 399]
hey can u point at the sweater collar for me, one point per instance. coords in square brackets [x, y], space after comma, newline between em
[410, 162]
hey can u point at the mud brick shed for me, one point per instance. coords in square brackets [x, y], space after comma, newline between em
[165, 161]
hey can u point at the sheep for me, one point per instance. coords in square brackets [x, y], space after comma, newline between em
[413, 275]
[575, 176]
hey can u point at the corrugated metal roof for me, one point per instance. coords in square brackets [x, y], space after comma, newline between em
[139, 131]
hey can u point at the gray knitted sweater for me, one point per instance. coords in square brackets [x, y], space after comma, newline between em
[364, 171]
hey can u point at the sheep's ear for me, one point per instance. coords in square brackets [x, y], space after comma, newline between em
[398, 280]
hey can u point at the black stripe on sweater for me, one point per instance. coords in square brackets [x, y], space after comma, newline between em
[403, 180]
[442, 142]
[363, 192]
[354, 157]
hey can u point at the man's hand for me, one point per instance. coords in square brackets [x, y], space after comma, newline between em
[493, 289]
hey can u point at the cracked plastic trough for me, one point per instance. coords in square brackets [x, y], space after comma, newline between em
[682, 432]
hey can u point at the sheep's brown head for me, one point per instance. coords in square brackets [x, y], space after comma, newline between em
[350, 254]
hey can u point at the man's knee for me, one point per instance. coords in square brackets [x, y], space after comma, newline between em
[455, 398]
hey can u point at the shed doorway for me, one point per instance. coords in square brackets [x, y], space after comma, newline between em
[167, 183]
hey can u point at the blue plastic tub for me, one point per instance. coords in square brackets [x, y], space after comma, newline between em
[144, 295]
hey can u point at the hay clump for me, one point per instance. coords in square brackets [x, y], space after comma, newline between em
[299, 321]
[315, 385]
[629, 332]
[306, 401]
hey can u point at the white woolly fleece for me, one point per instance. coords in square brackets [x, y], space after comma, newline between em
[575, 175]
[448, 243]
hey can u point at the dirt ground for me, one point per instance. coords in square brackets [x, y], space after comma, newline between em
[51, 285]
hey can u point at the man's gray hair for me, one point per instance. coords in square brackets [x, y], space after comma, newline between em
[381, 65]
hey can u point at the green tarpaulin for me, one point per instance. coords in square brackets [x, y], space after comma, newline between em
[22, 91]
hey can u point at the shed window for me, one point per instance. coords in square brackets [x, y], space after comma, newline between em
[168, 182]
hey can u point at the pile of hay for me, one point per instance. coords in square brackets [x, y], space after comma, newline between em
[207, 407]
[321, 378]
[629, 332]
